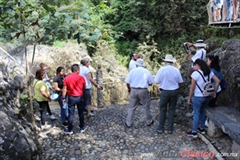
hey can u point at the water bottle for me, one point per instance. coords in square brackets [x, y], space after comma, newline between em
[65, 105]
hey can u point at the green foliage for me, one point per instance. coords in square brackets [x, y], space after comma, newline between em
[220, 32]
[236, 36]
[123, 60]
[150, 54]
[58, 44]
[126, 47]
[48, 21]
[122, 26]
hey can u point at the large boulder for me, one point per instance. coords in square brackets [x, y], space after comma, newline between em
[16, 140]
[229, 55]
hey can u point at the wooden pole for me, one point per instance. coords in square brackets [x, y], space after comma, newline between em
[99, 78]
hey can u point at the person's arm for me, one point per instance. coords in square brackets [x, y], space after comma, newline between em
[193, 85]
[55, 86]
[217, 82]
[44, 93]
[129, 88]
[46, 78]
[64, 92]
[150, 79]
[89, 77]
[189, 53]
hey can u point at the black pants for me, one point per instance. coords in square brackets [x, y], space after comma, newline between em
[212, 103]
[43, 110]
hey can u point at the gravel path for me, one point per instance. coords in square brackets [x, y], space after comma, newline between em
[107, 138]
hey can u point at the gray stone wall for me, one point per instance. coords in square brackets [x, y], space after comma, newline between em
[229, 55]
[16, 141]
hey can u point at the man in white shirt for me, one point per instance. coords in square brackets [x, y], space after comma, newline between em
[132, 64]
[138, 81]
[169, 78]
[200, 53]
[86, 73]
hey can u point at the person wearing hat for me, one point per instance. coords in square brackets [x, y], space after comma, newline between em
[169, 78]
[86, 73]
[200, 53]
[138, 81]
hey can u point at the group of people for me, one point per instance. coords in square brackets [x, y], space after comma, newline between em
[140, 78]
[169, 79]
[224, 10]
[73, 90]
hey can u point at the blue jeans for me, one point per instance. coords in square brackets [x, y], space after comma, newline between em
[228, 8]
[72, 101]
[64, 112]
[199, 105]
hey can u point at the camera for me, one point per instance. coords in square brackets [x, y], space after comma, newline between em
[186, 47]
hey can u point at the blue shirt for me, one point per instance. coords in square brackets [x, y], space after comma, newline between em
[218, 74]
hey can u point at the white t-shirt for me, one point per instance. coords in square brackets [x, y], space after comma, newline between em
[83, 72]
[199, 80]
[139, 78]
[168, 77]
[200, 54]
[132, 65]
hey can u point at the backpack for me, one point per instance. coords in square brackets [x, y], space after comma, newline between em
[208, 88]
[223, 84]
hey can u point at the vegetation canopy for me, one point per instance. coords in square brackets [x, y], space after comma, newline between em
[122, 27]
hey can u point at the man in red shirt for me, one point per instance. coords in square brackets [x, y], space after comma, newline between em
[73, 86]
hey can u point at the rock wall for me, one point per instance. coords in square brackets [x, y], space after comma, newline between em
[16, 141]
[229, 55]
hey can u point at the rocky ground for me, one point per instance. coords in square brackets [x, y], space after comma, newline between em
[107, 138]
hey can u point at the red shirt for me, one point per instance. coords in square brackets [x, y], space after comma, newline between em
[75, 84]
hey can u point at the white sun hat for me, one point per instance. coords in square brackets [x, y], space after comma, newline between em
[140, 62]
[169, 58]
[200, 43]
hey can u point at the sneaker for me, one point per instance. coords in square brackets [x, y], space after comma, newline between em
[159, 131]
[64, 124]
[90, 115]
[193, 134]
[52, 117]
[170, 132]
[151, 123]
[206, 123]
[45, 126]
[83, 129]
[127, 125]
[47, 114]
[202, 131]
[66, 131]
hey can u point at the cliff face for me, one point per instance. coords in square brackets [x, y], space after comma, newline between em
[229, 55]
[16, 141]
